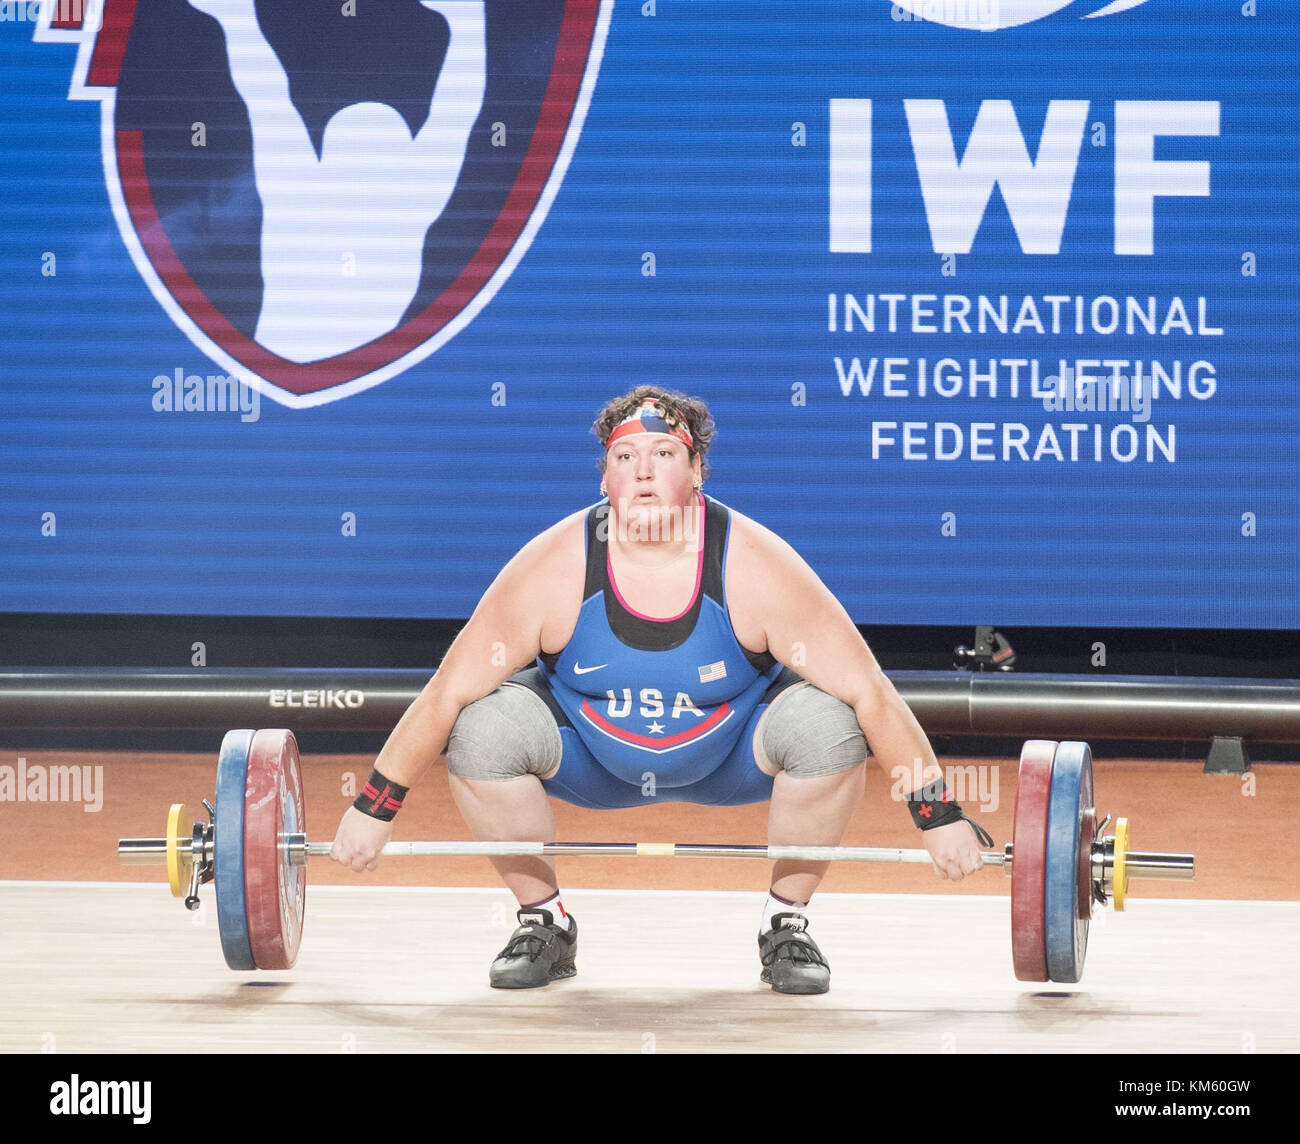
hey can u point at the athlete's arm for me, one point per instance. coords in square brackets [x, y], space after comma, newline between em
[773, 595]
[505, 633]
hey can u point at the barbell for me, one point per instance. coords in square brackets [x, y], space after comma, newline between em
[254, 848]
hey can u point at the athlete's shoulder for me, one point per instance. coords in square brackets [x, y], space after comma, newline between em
[563, 543]
[748, 538]
[563, 530]
[764, 572]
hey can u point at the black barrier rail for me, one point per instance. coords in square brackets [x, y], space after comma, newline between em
[370, 700]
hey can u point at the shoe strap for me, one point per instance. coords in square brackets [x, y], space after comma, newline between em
[790, 943]
[527, 942]
[800, 951]
[796, 922]
[536, 918]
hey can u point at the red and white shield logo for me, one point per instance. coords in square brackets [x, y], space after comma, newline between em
[319, 199]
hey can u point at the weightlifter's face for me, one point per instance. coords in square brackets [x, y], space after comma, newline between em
[647, 471]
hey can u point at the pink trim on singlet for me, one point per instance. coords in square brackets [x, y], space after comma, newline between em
[699, 578]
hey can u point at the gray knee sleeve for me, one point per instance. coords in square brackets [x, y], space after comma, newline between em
[505, 735]
[809, 733]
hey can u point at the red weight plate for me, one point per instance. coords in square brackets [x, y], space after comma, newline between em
[1087, 829]
[275, 891]
[1029, 851]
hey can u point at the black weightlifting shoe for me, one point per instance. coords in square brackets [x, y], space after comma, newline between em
[537, 953]
[792, 963]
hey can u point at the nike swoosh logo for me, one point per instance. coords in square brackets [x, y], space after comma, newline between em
[583, 670]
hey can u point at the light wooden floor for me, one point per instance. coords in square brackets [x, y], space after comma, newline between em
[122, 968]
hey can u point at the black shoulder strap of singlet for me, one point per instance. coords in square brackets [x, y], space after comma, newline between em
[717, 521]
[597, 548]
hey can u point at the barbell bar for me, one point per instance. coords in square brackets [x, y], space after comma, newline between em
[1141, 864]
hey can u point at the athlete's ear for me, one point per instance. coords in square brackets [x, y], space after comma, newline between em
[695, 469]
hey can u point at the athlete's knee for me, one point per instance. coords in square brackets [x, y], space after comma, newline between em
[505, 735]
[808, 734]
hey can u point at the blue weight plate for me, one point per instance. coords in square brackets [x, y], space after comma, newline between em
[228, 862]
[1066, 923]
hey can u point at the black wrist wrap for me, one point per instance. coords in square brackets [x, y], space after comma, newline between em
[933, 805]
[380, 798]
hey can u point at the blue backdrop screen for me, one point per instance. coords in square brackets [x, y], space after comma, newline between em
[309, 306]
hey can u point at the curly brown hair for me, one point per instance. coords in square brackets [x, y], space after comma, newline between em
[676, 407]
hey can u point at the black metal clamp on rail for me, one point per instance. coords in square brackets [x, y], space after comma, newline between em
[992, 652]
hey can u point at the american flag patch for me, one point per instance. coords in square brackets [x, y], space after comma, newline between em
[711, 671]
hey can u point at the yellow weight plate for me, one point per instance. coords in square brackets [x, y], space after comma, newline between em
[178, 863]
[1119, 872]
